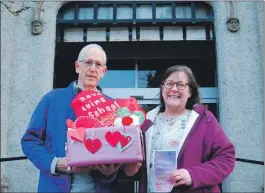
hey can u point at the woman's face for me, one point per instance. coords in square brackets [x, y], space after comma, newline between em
[177, 96]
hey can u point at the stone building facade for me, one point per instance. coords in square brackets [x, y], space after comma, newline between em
[29, 69]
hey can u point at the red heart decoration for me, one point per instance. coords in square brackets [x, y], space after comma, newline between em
[113, 138]
[92, 145]
[131, 103]
[70, 123]
[124, 140]
[126, 121]
[77, 134]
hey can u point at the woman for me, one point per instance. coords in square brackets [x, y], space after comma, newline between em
[205, 156]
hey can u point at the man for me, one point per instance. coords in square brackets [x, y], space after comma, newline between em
[45, 138]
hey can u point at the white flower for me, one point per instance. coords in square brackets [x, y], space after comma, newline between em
[118, 122]
[135, 120]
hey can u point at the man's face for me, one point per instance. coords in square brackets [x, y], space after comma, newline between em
[91, 68]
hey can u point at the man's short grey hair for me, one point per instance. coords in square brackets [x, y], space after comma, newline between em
[83, 53]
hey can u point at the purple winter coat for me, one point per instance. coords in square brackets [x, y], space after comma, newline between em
[207, 154]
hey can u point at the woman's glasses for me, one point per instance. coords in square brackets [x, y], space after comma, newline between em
[170, 84]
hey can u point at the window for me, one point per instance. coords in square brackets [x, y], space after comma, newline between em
[105, 12]
[163, 11]
[144, 12]
[135, 12]
[86, 13]
[124, 12]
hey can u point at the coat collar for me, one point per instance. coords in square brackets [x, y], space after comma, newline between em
[151, 115]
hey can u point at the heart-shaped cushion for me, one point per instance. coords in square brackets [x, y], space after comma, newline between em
[92, 145]
[93, 104]
[131, 103]
[77, 134]
[126, 140]
[113, 137]
[87, 122]
[70, 123]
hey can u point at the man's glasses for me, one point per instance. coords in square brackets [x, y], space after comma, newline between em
[89, 63]
[179, 85]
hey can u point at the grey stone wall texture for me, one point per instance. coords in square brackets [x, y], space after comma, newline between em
[27, 64]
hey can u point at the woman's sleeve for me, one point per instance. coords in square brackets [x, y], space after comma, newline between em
[221, 160]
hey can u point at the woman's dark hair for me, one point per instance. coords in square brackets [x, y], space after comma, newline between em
[194, 99]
